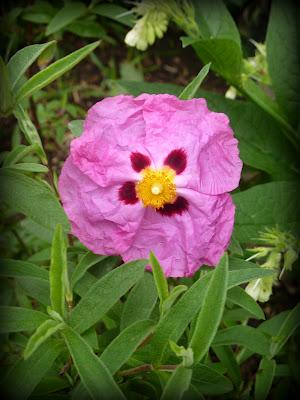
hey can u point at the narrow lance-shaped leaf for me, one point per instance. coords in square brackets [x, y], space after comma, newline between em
[93, 373]
[26, 374]
[160, 279]
[30, 131]
[18, 153]
[87, 261]
[125, 344]
[29, 167]
[190, 90]
[227, 358]
[43, 332]
[174, 294]
[18, 319]
[66, 15]
[264, 378]
[177, 384]
[6, 98]
[282, 45]
[54, 71]
[173, 324]
[20, 193]
[22, 59]
[211, 312]
[209, 381]
[238, 296]
[289, 325]
[246, 336]
[93, 307]
[58, 268]
[140, 301]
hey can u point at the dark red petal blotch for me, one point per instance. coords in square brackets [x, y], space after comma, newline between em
[127, 193]
[178, 207]
[176, 160]
[139, 161]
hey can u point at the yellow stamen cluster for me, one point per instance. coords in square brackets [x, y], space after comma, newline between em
[156, 188]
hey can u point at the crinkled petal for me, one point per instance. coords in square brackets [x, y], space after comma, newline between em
[113, 129]
[182, 243]
[156, 125]
[213, 163]
[98, 218]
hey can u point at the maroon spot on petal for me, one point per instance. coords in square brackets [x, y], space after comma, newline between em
[127, 193]
[176, 160]
[178, 207]
[139, 161]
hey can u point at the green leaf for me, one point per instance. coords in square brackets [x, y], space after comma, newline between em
[246, 336]
[20, 193]
[17, 154]
[190, 90]
[288, 327]
[6, 97]
[36, 288]
[87, 261]
[94, 375]
[225, 56]
[26, 374]
[18, 319]
[87, 28]
[159, 279]
[115, 12]
[259, 97]
[15, 268]
[238, 296]
[58, 271]
[22, 59]
[66, 15]
[140, 301]
[54, 71]
[29, 167]
[214, 20]
[210, 382]
[76, 127]
[268, 205]
[112, 286]
[264, 378]
[283, 56]
[30, 131]
[177, 384]
[172, 325]
[227, 358]
[174, 294]
[43, 332]
[125, 344]
[211, 311]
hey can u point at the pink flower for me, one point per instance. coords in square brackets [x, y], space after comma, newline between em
[152, 173]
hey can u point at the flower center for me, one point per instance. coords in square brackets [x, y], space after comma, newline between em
[156, 188]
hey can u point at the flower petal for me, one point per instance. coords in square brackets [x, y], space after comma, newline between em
[182, 243]
[176, 159]
[113, 130]
[139, 161]
[213, 165]
[127, 193]
[98, 218]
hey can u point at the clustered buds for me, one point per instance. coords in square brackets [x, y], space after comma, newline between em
[279, 252]
[152, 24]
[154, 17]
